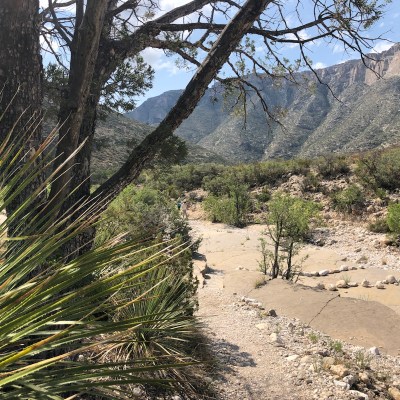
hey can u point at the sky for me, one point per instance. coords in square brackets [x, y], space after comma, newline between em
[169, 77]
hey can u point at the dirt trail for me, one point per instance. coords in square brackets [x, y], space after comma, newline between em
[254, 367]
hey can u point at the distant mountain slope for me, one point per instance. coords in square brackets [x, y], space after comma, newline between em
[116, 135]
[367, 114]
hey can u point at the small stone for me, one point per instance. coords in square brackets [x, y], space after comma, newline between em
[358, 395]
[379, 285]
[391, 279]
[364, 377]
[293, 357]
[365, 283]
[327, 362]
[137, 392]
[353, 268]
[332, 287]
[276, 339]
[353, 284]
[341, 284]
[343, 268]
[262, 327]
[272, 313]
[343, 385]
[306, 360]
[350, 379]
[320, 286]
[357, 250]
[395, 393]
[334, 271]
[324, 272]
[340, 370]
[374, 350]
[314, 273]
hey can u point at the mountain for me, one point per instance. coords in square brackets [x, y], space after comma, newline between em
[355, 108]
[117, 134]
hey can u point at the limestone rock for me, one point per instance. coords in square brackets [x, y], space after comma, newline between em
[325, 272]
[341, 284]
[365, 283]
[379, 285]
[391, 279]
[375, 351]
[332, 287]
[340, 370]
[343, 268]
[358, 395]
[395, 393]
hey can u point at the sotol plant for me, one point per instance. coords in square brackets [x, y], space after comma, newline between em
[63, 323]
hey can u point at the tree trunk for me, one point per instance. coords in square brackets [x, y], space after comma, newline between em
[84, 52]
[21, 84]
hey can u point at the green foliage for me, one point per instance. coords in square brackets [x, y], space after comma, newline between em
[290, 221]
[349, 199]
[380, 225]
[393, 218]
[331, 166]
[231, 208]
[266, 254]
[380, 169]
[65, 334]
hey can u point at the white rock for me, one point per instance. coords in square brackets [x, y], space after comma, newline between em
[353, 284]
[358, 395]
[293, 357]
[391, 279]
[343, 268]
[343, 385]
[350, 379]
[341, 284]
[379, 285]
[324, 272]
[332, 287]
[374, 350]
[262, 327]
[365, 283]
[276, 339]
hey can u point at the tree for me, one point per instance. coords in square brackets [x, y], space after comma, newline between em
[97, 38]
[289, 222]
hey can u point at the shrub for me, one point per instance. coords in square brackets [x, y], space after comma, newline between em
[349, 199]
[393, 218]
[380, 169]
[330, 166]
[380, 225]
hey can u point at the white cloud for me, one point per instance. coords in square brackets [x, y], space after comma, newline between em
[337, 48]
[303, 35]
[381, 46]
[167, 5]
[158, 60]
[319, 65]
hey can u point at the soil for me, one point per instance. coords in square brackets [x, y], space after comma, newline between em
[254, 367]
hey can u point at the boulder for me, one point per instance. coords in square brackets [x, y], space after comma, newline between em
[343, 268]
[391, 279]
[365, 283]
[395, 393]
[353, 284]
[379, 285]
[325, 272]
[332, 287]
[341, 284]
[340, 370]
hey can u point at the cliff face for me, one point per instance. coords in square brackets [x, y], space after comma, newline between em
[356, 108]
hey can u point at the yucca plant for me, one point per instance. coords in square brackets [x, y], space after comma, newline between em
[59, 319]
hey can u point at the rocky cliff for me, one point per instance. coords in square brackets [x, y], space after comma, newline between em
[355, 108]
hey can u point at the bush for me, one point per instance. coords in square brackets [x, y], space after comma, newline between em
[380, 225]
[349, 199]
[331, 166]
[232, 208]
[380, 169]
[393, 218]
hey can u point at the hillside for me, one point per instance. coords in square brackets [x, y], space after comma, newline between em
[352, 110]
[116, 135]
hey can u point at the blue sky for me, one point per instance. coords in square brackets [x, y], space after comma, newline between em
[169, 76]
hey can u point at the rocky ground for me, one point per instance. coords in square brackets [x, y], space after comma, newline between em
[307, 345]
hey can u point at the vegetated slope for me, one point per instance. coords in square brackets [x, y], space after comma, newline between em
[352, 110]
[117, 135]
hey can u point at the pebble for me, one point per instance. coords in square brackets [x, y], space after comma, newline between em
[374, 350]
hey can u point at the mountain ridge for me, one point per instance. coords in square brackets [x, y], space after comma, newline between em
[355, 109]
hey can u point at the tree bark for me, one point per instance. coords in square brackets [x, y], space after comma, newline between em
[84, 52]
[21, 83]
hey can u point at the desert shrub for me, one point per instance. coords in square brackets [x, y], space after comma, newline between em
[331, 166]
[232, 208]
[311, 183]
[349, 199]
[380, 225]
[263, 196]
[143, 213]
[380, 169]
[393, 218]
